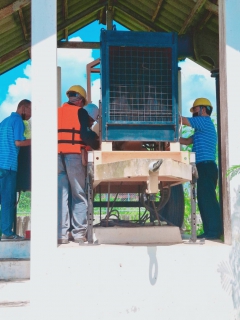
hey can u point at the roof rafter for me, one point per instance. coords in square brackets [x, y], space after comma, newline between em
[157, 10]
[212, 7]
[209, 6]
[15, 6]
[198, 6]
[65, 16]
[24, 29]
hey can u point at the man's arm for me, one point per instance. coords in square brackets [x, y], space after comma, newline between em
[89, 137]
[186, 141]
[184, 121]
[23, 143]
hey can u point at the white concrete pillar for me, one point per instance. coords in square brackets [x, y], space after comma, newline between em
[229, 26]
[44, 146]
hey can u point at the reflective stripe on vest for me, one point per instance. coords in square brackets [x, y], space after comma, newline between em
[69, 140]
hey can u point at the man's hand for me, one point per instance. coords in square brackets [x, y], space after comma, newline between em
[184, 121]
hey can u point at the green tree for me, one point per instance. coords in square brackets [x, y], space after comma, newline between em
[24, 203]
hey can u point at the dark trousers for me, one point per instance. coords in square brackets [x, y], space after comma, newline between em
[207, 201]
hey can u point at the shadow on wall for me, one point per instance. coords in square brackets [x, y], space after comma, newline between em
[230, 270]
[153, 265]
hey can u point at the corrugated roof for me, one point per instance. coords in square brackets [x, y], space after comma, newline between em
[196, 18]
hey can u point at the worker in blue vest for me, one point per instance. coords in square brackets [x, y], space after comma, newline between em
[204, 142]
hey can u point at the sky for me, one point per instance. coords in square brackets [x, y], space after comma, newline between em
[15, 85]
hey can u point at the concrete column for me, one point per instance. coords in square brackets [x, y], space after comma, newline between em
[215, 74]
[229, 62]
[44, 147]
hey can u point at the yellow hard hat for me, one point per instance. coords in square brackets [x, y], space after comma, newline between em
[201, 102]
[80, 90]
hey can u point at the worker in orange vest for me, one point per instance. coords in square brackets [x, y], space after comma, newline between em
[74, 135]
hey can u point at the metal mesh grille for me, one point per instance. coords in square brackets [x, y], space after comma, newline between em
[140, 84]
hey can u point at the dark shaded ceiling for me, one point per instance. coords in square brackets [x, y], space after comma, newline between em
[195, 19]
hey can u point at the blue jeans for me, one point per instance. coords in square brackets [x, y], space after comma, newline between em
[74, 178]
[207, 200]
[7, 199]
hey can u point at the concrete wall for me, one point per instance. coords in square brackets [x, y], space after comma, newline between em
[182, 282]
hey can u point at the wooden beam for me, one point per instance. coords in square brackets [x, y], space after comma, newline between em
[24, 29]
[212, 7]
[109, 15]
[65, 9]
[198, 6]
[13, 7]
[157, 10]
[145, 22]
[90, 69]
[65, 16]
[78, 45]
[102, 16]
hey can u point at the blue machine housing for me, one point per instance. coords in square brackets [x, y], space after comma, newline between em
[139, 84]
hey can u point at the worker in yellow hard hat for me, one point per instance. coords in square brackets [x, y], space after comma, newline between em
[77, 95]
[74, 135]
[204, 142]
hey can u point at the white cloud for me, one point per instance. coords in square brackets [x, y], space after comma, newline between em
[196, 82]
[95, 91]
[21, 89]
[73, 67]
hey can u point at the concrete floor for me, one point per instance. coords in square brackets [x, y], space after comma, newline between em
[15, 300]
[15, 295]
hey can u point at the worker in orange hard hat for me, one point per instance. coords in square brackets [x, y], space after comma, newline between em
[204, 142]
[74, 135]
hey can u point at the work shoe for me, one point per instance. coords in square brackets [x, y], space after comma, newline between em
[70, 236]
[12, 237]
[63, 241]
[80, 240]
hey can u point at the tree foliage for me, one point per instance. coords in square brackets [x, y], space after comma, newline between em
[233, 171]
[24, 204]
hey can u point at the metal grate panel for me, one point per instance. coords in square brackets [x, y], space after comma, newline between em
[140, 84]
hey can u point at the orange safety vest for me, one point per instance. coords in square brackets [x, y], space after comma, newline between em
[69, 140]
